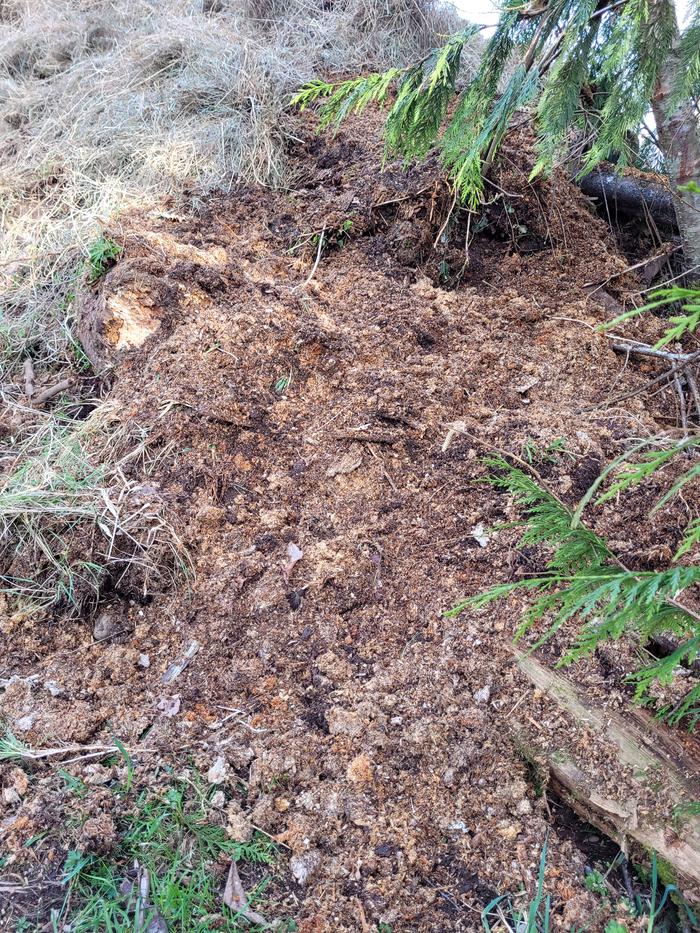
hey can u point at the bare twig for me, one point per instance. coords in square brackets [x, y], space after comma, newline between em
[318, 259]
[143, 883]
[664, 254]
[633, 346]
[29, 378]
[446, 221]
[51, 391]
[681, 402]
[383, 468]
[668, 374]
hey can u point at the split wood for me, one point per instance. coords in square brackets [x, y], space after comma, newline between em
[29, 378]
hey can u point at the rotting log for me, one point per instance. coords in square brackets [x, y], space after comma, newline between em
[623, 196]
[649, 755]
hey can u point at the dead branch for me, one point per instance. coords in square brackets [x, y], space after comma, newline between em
[629, 198]
[51, 391]
[29, 388]
[318, 259]
[640, 747]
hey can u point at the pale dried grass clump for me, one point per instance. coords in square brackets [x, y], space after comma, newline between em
[76, 514]
[105, 105]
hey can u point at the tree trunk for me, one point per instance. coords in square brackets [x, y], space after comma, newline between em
[624, 196]
[679, 137]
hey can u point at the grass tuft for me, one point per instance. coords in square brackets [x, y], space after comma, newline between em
[72, 516]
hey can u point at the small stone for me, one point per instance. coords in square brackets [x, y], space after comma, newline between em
[303, 867]
[53, 688]
[343, 722]
[25, 723]
[238, 826]
[524, 807]
[144, 660]
[509, 831]
[20, 781]
[483, 695]
[218, 800]
[10, 797]
[105, 626]
[347, 464]
[218, 772]
[170, 706]
[281, 804]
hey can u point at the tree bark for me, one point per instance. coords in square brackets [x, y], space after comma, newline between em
[678, 131]
[624, 196]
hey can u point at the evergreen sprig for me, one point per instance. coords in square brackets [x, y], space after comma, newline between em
[683, 324]
[584, 583]
[594, 67]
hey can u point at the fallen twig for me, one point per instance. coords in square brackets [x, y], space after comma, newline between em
[318, 259]
[664, 254]
[235, 898]
[51, 391]
[19, 751]
[644, 349]
[29, 388]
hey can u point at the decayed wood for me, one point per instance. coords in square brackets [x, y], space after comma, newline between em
[652, 752]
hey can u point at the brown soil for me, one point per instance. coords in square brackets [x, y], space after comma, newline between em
[377, 739]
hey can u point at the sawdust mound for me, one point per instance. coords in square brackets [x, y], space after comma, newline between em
[317, 444]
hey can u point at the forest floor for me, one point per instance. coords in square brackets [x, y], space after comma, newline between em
[315, 433]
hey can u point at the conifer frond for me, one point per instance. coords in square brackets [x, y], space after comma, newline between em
[586, 586]
[640, 43]
[632, 474]
[415, 119]
[691, 539]
[688, 298]
[547, 520]
[616, 52]
[310, 93]
[356, 95]
[561, 97]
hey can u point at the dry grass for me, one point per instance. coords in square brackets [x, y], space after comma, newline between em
[75, 512]
[103, 105]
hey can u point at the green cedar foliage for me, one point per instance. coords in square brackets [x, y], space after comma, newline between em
[613, 52]
[584, 585]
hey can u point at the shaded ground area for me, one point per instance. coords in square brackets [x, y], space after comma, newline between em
[316, 439]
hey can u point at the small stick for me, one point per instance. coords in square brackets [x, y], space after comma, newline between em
[29, 378]
[681, 402]
[693, 384]
[381, 464]
[668, 374]
[235, 898]
[144, 884]
[318, 259]
[632, 346]
[664, 254]
[51, 391]
[447, 220]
